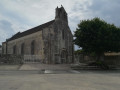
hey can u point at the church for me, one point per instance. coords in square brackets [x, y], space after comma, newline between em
[52, 41]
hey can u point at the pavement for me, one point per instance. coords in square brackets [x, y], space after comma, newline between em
[35, 80]
[38, 66]
[57, 77]
[10, 67]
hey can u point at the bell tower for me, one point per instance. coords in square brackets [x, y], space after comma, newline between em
[61, 14]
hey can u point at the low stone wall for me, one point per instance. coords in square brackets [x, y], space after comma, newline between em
[11, 59]
[83, 58]
[110, 60]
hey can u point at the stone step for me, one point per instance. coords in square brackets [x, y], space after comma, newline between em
[84, 67]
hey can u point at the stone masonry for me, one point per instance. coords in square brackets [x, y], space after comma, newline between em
[52, 41]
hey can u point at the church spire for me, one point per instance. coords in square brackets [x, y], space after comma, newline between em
[61, 14]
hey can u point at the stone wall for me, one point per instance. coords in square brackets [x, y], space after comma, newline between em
[0, 50]
[36, 37]
[54, 43]
[63, 42]
[110, 60]
[4, 48]
[11, 59]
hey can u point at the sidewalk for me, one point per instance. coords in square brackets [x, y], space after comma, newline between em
[32, 80]
[36, 66]
[9, 67]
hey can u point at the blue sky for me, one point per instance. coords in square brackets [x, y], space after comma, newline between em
[20, 15]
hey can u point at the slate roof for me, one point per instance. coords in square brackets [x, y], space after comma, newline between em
[30, 31]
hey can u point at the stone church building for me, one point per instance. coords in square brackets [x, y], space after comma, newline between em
[53, 41]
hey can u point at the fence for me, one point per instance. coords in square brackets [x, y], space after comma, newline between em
[32, 59]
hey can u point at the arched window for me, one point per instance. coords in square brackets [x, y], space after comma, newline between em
[33, 47]
[14, 49]
[22, 49]
[63, 34]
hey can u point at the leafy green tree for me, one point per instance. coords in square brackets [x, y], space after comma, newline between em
[77, 52]
[97, 36]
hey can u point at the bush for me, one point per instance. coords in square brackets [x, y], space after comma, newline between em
[100, 64]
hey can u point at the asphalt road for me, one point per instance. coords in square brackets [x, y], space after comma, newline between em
[59, 80]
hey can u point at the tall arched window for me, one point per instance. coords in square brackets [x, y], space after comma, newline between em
[22, 49]
[33, 47]
[63, 34]
[14, 49]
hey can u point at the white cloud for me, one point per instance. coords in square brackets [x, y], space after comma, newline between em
[25, 14]
[6, 30]
[39, 11]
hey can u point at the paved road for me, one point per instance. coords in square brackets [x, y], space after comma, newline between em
[37, 66]
[61, 80]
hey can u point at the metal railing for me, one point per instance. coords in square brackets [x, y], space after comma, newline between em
[32, 59]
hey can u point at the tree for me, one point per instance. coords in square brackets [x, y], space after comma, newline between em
[97, 36]
[77, 52]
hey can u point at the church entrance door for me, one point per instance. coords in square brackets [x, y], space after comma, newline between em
[64, 56]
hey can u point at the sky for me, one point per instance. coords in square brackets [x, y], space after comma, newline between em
[21, 15]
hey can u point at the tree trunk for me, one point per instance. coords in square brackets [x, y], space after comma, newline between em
[100, 57]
